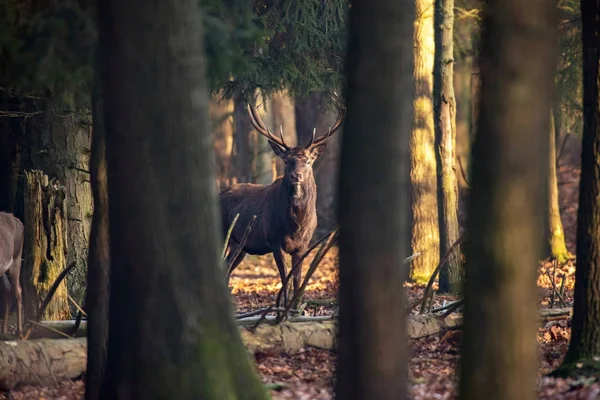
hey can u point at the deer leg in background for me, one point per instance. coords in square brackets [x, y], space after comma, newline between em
[6, 289]
[15, 274]
[278, 255]
[298, 273]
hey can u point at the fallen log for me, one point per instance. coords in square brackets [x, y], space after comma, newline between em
[41, 362]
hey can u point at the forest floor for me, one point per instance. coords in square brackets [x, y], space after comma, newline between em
[433, 364]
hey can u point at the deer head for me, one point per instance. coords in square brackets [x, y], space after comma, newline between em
[298, 160]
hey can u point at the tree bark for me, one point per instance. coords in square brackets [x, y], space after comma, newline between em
[221, 115]
[58, 143]
[425, 237]
[557, 246]
[283, 113]
[263, 157]
[372, 362]
[43, 361]
[45, 224]
[509, 172]
[97, 299]
[242, 130]
[166, 273]
[584, 346]
[445, 140]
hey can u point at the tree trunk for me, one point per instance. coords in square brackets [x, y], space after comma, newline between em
[9, 159]
[221, 115]
[58, 144]
[373, 357]
[45, 224]
[165, 237]
[263, 156]
[584, 347]
[425, 237]
[283, 112]
[309, 116]
[445, 138]
[557, 247]
[242, 130]
[97, 299]
[505, 223]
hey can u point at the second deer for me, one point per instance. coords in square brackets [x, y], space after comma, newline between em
[286, 214]
[11, 250]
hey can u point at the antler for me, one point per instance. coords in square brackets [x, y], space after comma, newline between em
[260, 127]
[336, 125]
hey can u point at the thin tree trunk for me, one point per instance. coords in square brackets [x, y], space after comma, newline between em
[263, 157]
[242, 130]
[372, 361]
[221, 115]
[557, 247]
[423, 174]
[505, 224]
[166, 275]
[584, 347]
[97, 299]
[445, 137]
[283, 112]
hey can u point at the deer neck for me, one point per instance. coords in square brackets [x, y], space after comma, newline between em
[300, 195]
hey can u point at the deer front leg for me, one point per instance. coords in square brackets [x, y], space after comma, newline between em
[278, 255]
[6, 290]
[298, 272]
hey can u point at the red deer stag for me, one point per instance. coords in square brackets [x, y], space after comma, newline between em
[286, 215]
[11, 250]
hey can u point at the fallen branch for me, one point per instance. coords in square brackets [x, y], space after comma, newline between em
[435, 274]
[49, 296]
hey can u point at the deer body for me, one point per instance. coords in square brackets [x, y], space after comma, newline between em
[286, 214]
[11, 250]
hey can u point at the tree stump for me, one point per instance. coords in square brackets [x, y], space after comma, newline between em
[45, 245]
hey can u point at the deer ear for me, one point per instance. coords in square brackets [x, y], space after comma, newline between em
[318, 149]
[279, 152]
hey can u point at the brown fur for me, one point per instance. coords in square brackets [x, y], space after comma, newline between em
[11, 251]
[283, 222]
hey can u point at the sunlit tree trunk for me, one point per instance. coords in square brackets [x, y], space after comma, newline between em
[423, 174]
[221, 115]
[171, 330]
[445, 138]
[505, 223]
[263, 156]
[372, 362]
[584, 348]
[557, 247]
[284, 116]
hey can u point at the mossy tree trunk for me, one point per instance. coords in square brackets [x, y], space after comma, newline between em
[505, 223]
[58, 143]
[445, 141]
[373, 220]
[423, 174]
[166, 275]
[98, 273]
[45, 247]
[557, 246]
[584, 347]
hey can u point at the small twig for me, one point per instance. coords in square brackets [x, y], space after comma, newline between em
[229, 234]
[560, 297]
[241, 245]
[258, 312]
[447, 306]
[76, 305]
[48, 328]
[455, 306]
[553, 279]
[435, 273]
[47, 364]
[31, 372]
[562, 285]
[49, 296]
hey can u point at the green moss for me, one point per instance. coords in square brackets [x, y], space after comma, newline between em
[588, 368]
